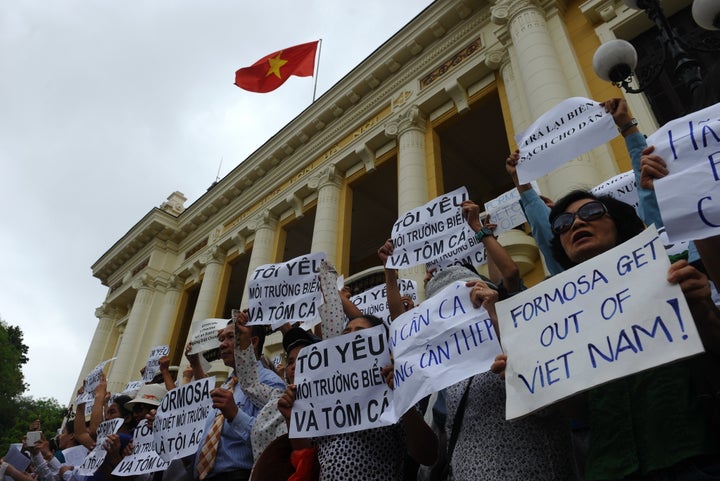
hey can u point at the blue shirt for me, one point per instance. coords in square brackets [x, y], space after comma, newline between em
[538, 216]
[235, 451]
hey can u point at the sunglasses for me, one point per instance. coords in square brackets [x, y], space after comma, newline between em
[588, 212]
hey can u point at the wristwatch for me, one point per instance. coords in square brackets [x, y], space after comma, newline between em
[632, 123]
[485, 231]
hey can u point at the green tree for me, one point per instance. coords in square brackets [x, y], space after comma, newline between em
[17, 411]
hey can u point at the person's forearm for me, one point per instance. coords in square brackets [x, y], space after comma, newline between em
[394, 298]
[421, 441]
[506, 266]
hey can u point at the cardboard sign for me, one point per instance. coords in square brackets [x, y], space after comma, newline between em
[143, 459]
[285, 292]
[609, 317]
[433, 231]
[339, 385]
[374, 300]
[180, 419]
[571, 128]
[442, 341]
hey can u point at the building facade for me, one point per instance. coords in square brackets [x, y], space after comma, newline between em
[434, 108]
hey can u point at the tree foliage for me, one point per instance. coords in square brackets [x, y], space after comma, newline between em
[17, 411]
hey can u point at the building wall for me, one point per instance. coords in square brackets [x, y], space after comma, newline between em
[178, 266]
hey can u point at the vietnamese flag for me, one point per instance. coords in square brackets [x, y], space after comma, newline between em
[273, 70]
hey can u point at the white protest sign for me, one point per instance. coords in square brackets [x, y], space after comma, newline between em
[143, 458]
[473, 253]
[206, 336]
[432, 231]
[609, 317]
[16, 458]
[152, 366]
[75, 455]
[374, 301]
[442, 341]
[689, 197]
[505, 210]
[339, 385]
[91, 382]
[621, 187]
[285, 292]
[571, 128]
[180, 419]
[132, 388]
[96, 457]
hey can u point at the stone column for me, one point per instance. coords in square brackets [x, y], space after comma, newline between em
[122, 369]
[210, 288]
[543, 79]
[168, 312]
[103, 334]
[265, 227]
[409, 128]
[325, 230]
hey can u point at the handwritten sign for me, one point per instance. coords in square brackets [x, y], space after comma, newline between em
[433, 231]
[96, 457]
[285, 292]
[442, 341]
[152, 367]
[75, 455]
[374, 301]
[621, 187]
[205, 338]
[609, 317]
[143, 459]
[689, 197]
[180, 419]
[571, 128]
[506, 211]
[339, 385]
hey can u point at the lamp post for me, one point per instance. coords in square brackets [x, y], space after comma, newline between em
[616, 61]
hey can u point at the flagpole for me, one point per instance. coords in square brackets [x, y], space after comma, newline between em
[317, 68]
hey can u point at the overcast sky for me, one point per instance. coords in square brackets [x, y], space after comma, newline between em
[107, 107]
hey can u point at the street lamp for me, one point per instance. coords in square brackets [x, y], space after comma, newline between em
[616, 61]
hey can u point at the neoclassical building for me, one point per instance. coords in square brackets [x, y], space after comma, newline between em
[434, 108]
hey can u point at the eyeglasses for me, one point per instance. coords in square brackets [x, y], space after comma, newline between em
[588, 212]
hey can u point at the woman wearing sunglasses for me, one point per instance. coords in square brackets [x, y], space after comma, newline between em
[651, 425]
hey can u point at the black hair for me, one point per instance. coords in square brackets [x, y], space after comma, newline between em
[627, 223]
[121, 401]
[260, 332]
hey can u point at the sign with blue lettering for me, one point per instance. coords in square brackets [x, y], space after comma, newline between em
[689, 196]
[181, 417]
[505, 210]
[609, 317]
[442, 341]
[571, 128]
[285, 292]
[339, 385]
[431, 232]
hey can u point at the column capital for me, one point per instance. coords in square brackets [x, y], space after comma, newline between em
[106, 311]
[495, 58]
[214, 255]
[411, 119]
[263, 220]
[144, 281]
[328, 175]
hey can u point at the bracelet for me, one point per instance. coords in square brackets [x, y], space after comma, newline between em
[632, 123]
[484, 232]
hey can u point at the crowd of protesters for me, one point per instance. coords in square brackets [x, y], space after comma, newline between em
[659, 424]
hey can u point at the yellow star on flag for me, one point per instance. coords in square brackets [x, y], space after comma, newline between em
[275, 64]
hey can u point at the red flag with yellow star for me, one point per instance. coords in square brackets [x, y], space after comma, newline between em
[273, 70]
